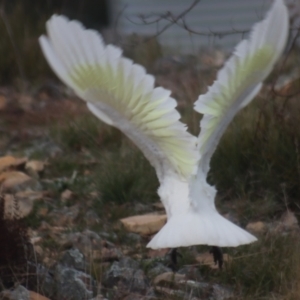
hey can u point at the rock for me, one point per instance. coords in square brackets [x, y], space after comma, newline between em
[221, 293]
[36, 296]
[170, 292]
[289, 220]
[191, 273]
[65, 216]
[133, 237]
[13, 181]
[203, 290]
[169, 277]
[206, 258]
[135, 296]
[106, 254]
[90, 244]
[19, 293]
[158, 205]
[3, 102]
[45, 279]
[157, 270]
[35, 168]
[144, 224]
[73, 258]
[99, 297]
[158, 252]
[287, 223]
[66, 195]
[127, 262]
[91, 218]
[10, 162]
[126, 276]
[73, 284]
[256, 227]
[29, 194]
[48, 147]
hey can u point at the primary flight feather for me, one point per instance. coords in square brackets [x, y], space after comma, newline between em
[120, 93]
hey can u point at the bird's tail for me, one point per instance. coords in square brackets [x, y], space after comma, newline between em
[194, 228]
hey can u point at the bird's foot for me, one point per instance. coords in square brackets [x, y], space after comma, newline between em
[217, 255]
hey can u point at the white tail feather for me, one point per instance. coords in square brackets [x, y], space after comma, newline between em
[207, 228]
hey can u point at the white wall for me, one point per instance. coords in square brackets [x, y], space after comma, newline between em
[208, 15]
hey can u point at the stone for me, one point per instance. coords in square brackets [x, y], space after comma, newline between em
[45, 279]
[168, 277]
[14, 181]
[65, 216]
[256, 227]
[203, 290]
[91, 218]
[158, 269]
[144, 224]
[3, 102]
[73, 284]
[73, 258]
[35, 168]
[19, 293]
[10, 162]
[171, 292]
[99, 297]
[66, 195]
[125, 275]
[289, 220]
[207, 259]
[36, 296]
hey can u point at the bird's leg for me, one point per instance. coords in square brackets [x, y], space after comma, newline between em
[174, 255]
[217, 255]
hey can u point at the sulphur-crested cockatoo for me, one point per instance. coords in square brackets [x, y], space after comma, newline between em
[121, 94]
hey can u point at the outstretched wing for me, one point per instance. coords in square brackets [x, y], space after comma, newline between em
[239, 81]
[121, 94]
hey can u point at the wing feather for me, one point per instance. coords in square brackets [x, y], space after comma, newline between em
[239, 81]
[121, 94]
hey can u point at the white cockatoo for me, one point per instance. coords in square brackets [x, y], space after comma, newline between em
[121, 94]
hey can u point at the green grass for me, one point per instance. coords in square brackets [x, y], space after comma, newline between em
[258, 157]
[268, 268]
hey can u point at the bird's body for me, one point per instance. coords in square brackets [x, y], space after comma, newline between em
[121, 94]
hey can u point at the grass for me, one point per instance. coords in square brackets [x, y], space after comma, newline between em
[19, 46]
[266, 269]
[258, 156]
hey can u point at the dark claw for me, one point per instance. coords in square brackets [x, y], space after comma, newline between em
[218, 256]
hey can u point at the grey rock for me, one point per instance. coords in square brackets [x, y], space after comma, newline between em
[108, 235]
[73, 258]
[134, 237]
[191, 273]
[47, 147]
[92, 218]
[221, 293]
[65, 216]
[205, 290]
[73, 284]
[127, 262]
[159, 268]
[19, 293]
[99, 297]
[45, 280]
[126, 276]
